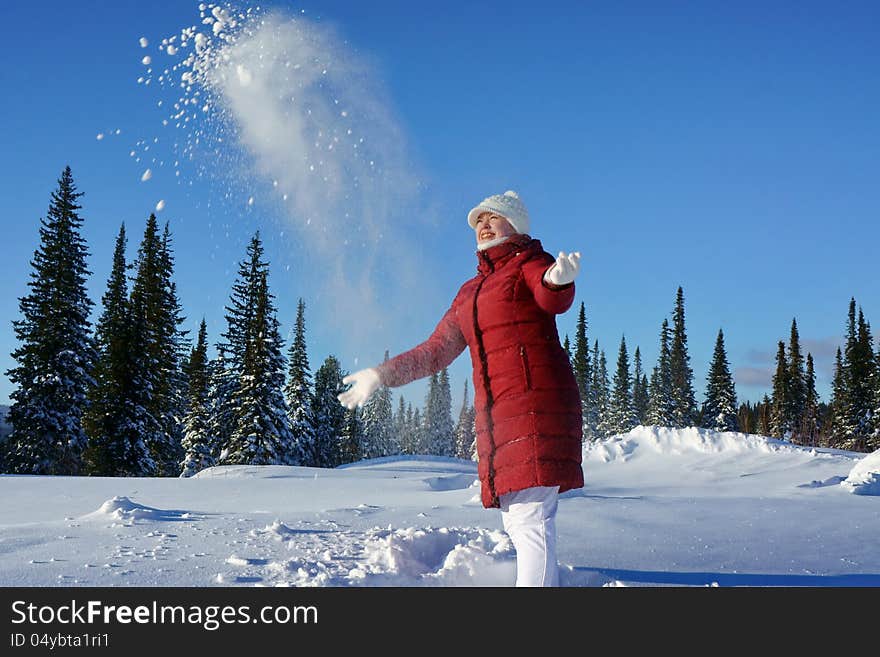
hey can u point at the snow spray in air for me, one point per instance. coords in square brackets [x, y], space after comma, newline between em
[279, 107]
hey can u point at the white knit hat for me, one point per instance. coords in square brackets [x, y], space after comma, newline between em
[508, 205]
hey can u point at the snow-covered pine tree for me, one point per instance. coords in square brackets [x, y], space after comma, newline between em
[116, 447]
[580, 363]
[239, 318]
[464, 430]
[197, 442]
[779, 427]
[445, 435]
[595, 396]
[640, 389]
[661, 403]
[797, 386]
[622, 412]
[874, 440]
[221, 391]
[438, 432]
[173, 394]
[566, 345]
[810, 424]
[154, 345]
[377, 418]
[839, 403]
[409, 437]
[351, 438]
[719, 408]
[862, 383]
[298, 390]
[602, 385]
[854, 404]
[329, 415]
[56, 353]
[417, 431]
[684, 409]
[398, 425]
[262, 434]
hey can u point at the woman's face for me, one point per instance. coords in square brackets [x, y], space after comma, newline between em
[490, 226]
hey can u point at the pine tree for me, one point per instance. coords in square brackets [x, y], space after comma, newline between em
[745, 418]
[681, 374]
[377, 417]
[583, 374]
[155, 346]
[197, 442]
[116, 447]
[566, 346]
[779, 426]
[604, 426]
[416, 433]
[222, 388]
[719, 409]
[262, 434]
[763, 411]
[874, 440]
[239, 320]
[329, 416]
[398, 425]
[839, 403]
[661, 403]
[810, 425]
[298, 390]
[862, 383]
[464, 430]
[438, 435]
[173, 393]
[622, 411]
[854, 406]
[640, 389]
[598, 396]
[56, 354]
[797, 393]
[351, 438]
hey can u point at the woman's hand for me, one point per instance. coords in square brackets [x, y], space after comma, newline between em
[564, 270]
[366, 382]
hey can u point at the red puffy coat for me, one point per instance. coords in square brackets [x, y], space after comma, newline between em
[528, 407]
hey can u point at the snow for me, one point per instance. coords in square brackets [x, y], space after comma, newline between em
[160, 205]
[864, 478]
[660, 507]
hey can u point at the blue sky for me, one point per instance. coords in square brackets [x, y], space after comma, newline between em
[730, 148]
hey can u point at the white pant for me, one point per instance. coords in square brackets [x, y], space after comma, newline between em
[529, 518]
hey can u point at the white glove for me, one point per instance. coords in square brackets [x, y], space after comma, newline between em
[366, 382]
[564, 269]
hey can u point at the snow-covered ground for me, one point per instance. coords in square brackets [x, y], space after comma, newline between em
[660, 507]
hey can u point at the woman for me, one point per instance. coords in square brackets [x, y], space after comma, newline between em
[528, 408]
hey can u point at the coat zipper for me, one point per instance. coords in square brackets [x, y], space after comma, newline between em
[490, 427]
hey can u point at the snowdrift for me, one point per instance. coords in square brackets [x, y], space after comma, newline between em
[864, 478]
[691, 440]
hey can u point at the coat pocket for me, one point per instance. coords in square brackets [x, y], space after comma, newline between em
[527, 373]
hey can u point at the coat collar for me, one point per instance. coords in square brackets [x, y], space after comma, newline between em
[494, 257]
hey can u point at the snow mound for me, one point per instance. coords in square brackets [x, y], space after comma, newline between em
[690, 440]
[248, 472]
[123, 510]
[444, 556]
[454, 482]
[864, 478]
